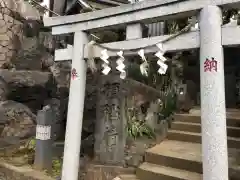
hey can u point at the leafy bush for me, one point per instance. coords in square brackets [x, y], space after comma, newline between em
[169, 104]
[138, 129]
[31, 145]
[56, 167]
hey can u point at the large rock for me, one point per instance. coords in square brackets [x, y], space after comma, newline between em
[61, 73]
[29, 87]
[22, 7]
[26, 78]
[17, 119]
[4, 90]
[36, 53]
[13, 16]
[36, 58]
[48, 40]
[10, 34]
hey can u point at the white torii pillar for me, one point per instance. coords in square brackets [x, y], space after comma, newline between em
[72, 145]
[213, 110]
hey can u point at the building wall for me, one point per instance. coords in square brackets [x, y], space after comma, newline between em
[156, 29]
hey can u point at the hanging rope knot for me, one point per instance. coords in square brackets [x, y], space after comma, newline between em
[144, 67]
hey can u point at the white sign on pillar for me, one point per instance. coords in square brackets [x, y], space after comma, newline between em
[43, 132]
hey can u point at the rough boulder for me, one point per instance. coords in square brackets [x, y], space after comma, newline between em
[16, 120]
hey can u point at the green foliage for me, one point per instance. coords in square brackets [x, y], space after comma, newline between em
[27, 149]
[31, 145]
[169, 104]
[56, 167]
[137, 129]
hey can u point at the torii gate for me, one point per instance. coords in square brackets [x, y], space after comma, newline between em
[210, 39]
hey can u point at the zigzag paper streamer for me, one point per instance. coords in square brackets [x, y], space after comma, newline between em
[144, 66]
[104, 57]
[120, 65]
[161, 59]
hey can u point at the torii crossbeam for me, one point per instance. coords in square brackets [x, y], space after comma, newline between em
[210, 39]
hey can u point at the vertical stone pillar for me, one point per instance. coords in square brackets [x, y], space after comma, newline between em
[44, 140]
[75, 110]
[213, 111]
[110, 129]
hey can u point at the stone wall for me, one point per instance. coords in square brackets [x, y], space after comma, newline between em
[13, 15]
[112, 144]
[135, 148]
[10, 172]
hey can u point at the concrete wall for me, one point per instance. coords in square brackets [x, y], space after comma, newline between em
[10, 172]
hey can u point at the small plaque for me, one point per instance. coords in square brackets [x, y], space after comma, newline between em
[43, 132]
[112, 140]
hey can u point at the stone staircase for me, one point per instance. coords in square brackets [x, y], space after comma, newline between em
[178, 157]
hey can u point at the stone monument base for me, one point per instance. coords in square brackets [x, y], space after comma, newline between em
[105, 172]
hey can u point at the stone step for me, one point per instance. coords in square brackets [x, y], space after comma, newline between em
[233, 119]
[197, 110]
[156, 172]
[196, 127]
[176, 154]
[127, 177]
[196, 138]
[185, 156]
